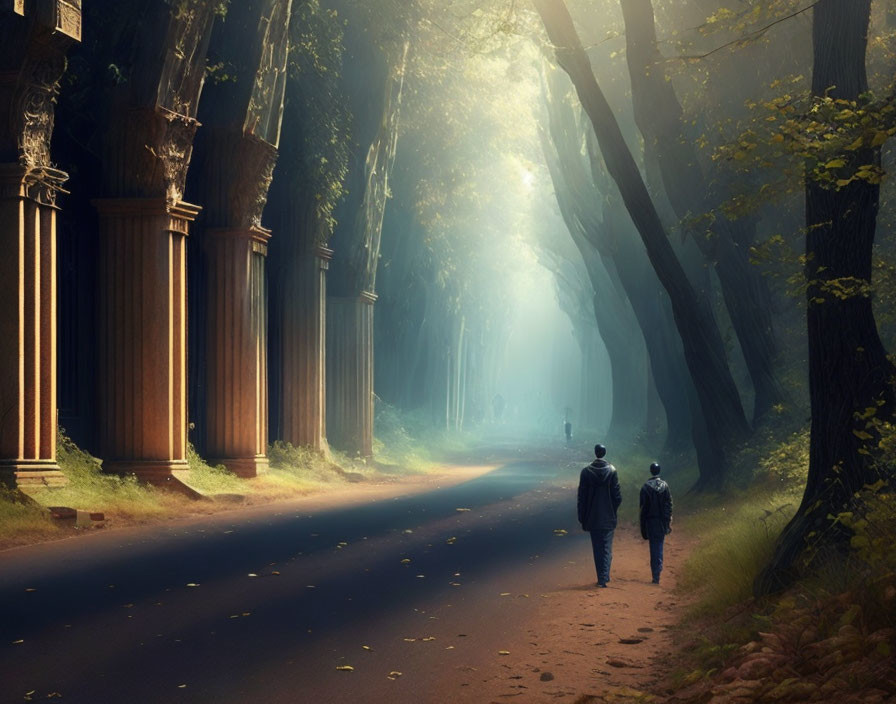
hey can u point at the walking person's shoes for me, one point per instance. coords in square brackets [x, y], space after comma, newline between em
[602, 584]
[656, 580]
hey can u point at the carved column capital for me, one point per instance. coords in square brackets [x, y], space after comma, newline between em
[258, 237]
[239, 170]
[38, 184]
[148, 153]
[179, 214]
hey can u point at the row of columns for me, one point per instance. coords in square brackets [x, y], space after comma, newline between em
[142, 346]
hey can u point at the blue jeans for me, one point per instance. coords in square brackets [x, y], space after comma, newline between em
[656, 534]
[656, 556]
[602, 544]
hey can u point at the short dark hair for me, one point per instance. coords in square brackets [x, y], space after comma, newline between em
[654, 469]
[599, 451]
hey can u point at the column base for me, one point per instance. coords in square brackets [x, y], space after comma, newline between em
[169, 475]
[31, 474]
[245, 467]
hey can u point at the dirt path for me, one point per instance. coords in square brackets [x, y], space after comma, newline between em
[474, 593]
[579, 643]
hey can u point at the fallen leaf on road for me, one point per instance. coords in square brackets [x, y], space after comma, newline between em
[406, 561]
[504, 594]
[409, 640]
[181, 686]
[30, 589]
[560, 531]
[192, 584]
[275, 573]
[461, 510]
[503, 652]
[345, 668]
[251, 574]
[392, 675]
[450, 647]
[428, 639]
[451, 540]
[18, 642]
[421, 576]
[366, 647]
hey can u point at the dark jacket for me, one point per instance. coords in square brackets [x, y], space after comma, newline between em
[599, 496]
[656, 508]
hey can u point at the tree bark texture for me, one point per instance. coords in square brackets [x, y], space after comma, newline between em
[850, 377]
[660, 119]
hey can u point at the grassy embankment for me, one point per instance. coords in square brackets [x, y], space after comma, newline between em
[830, 636]
[293, 472]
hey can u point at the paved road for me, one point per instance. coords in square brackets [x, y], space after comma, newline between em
[266, 606]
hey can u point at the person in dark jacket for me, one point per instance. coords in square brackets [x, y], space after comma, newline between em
[656, 518]
[599, 499]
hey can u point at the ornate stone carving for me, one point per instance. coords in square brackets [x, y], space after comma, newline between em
[35, 101]
[148, 153]
[264, 114]
[61, 16]
[34, 88]
[183, 72]
[239, 170]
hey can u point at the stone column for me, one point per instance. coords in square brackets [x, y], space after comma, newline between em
[142, 345]
[31, 65]
[304, 332]
[28, 327]
[239, 151]
[237, 425]
[350, 373]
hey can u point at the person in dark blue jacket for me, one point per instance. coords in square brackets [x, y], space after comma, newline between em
[656, 518]
[598, 501]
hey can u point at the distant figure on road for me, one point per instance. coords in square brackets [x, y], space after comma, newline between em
[567, 428]
[599, 499]
[656, 518]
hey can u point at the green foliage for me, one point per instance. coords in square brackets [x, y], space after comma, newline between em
[787, 463]
[22, 520]
[317, 125]
[209, 480]
[90, 489]
[405, 442]
[304, 463]
[737, 540]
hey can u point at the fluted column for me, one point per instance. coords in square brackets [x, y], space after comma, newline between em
[142, 345]
[304, 333]
[35, 38]
[350, 373]
[237, 350]
[28, 328]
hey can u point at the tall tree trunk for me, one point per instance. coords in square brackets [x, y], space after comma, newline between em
[700, 337]
[850, 378]
[659, 117]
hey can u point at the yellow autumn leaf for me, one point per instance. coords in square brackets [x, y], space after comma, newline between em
[345, 668]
